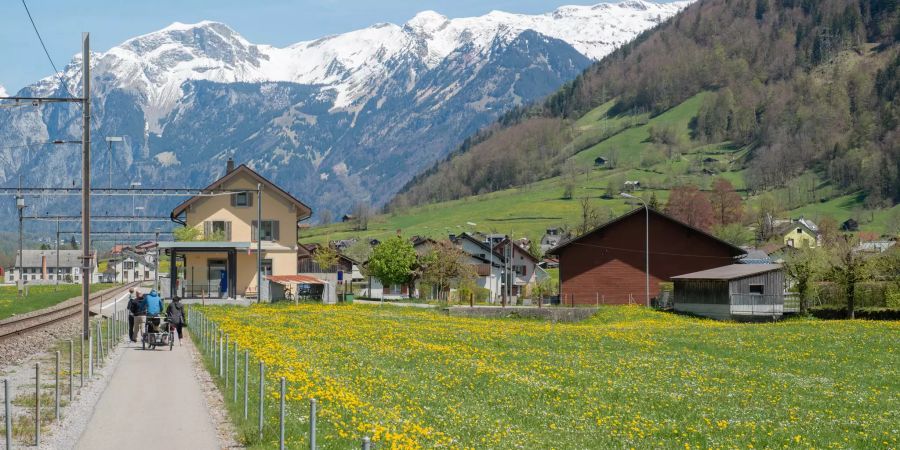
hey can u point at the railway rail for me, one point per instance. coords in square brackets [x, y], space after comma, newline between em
[54, 314]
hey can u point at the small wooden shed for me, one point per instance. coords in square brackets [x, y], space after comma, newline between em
[737, 291]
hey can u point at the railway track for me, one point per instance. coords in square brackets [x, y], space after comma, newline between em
[54, 314]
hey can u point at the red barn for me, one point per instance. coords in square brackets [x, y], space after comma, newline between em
[606, 264]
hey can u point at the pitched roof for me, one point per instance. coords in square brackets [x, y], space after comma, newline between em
[243, 169]
[735, 249]
[67, 258]
[730, 272]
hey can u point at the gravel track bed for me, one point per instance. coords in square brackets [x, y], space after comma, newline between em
[17, 349]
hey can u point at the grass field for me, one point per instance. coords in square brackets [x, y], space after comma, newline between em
[627, 378]
[39, 297]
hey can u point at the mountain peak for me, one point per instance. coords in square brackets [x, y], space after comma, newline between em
[427, 21]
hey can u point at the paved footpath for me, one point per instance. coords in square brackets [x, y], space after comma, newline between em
[153, 401]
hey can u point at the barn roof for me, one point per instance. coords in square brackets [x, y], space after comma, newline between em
[735, 249]
[730, 272]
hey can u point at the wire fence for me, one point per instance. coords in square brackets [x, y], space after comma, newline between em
[69, 370]
[243, 381]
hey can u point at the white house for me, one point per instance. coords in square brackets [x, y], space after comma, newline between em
[40, 266]
[130, 267]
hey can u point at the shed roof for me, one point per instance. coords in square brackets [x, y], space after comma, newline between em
[295, 279]
[730, 272]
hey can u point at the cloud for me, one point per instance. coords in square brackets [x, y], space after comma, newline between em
[3, 91]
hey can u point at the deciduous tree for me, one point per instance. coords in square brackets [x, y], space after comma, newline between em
[392, 261]
[326, 257]
[445, 264]
[804, 266]
[847, 268]
[726, 202]
[689, 205]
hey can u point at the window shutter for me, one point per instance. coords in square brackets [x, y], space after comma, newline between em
[249, 199]
[233, 199]
[228, 231]
[275, 230]
[207, 229]
[253, 233]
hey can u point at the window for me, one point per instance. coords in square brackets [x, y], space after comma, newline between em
[756, 289]
[267, 267]
[269, 230]
[520, 270]
[242, 199]
[128, 265]
[217, 230]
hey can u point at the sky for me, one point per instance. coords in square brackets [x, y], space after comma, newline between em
[274, 22]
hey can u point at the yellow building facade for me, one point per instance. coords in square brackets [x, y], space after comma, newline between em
[223, 262]
[800, 237]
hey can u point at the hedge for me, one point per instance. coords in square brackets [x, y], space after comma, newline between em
[869, 313]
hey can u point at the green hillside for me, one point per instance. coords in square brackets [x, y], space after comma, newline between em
[802, 111]
[527, 211]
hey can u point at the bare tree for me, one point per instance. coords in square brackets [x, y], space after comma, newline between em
[325, 217]
[361, 213]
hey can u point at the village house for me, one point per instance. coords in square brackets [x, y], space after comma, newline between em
[128, 267]
[40, 266]
[490, 263]
[606, 265]
[524, 269]
[551, 238]
[225, 264]
[798, 233]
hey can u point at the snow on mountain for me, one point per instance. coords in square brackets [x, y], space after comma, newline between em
[156, 64]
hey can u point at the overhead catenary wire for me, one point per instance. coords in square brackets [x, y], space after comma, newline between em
[46, 52]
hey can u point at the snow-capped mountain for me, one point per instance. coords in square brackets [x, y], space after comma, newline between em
[340, 119]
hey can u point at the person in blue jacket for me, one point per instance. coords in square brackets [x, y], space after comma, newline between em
[154, 303]
[154, 309]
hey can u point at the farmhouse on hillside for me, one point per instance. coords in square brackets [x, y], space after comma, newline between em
[798, 233]
[225, 263]
[606, 264]
[737, 291]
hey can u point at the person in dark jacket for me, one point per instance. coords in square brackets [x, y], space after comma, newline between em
[132, 304]
[140, 315]
[175, 314]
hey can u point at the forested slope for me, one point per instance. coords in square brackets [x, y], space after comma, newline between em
[800, 85]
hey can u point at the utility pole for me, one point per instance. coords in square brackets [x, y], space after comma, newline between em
[259, 273]
[20, 205]
[156, 264]
[57, 253]
[86, 182]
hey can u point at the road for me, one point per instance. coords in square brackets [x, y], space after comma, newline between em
[153, 401]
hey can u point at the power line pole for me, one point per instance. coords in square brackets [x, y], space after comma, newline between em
[86, 182]
[259, 274]
[57, 253]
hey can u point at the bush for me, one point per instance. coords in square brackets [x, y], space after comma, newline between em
[868, 294]
[868, 313]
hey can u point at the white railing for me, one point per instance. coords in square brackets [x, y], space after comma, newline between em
[757, 304]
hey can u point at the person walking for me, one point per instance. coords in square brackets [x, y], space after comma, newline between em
[175, 315]
[132, 305]
[140, 316]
